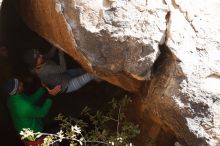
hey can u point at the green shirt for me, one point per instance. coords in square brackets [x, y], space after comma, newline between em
[24, 112]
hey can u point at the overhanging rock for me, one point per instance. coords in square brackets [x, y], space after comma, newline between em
[118, 40]
[115, 39]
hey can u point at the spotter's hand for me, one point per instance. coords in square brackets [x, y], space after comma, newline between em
[54, 91]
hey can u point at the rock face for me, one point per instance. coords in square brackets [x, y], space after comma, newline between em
[119, 41]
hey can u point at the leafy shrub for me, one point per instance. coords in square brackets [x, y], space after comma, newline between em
[100, 128]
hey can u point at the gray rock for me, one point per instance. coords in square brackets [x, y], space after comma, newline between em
[119, 41]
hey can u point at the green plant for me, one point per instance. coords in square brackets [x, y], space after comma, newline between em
[98, 128]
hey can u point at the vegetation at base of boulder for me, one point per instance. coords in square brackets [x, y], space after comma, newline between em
[96, 127]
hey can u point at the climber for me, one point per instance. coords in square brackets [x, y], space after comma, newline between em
[52, 74]
[23, 109]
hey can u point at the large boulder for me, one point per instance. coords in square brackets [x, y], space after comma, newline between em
[121, 42]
